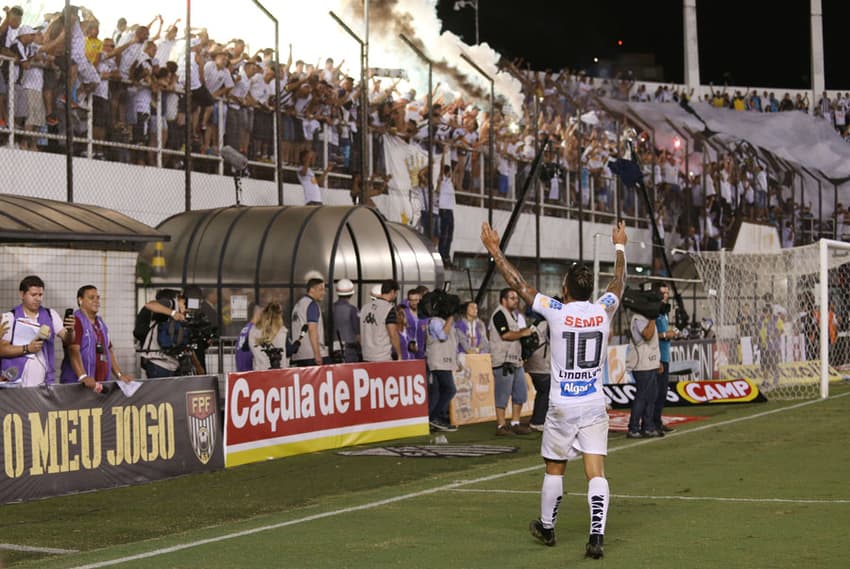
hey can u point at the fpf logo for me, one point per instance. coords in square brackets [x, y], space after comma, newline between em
[201, 410]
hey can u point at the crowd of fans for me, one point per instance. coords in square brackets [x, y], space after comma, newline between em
[132, 81]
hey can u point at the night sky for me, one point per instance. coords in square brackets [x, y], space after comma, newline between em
[758, 44]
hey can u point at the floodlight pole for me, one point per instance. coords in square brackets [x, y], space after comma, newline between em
[428, 221]
[364, 97]
[491, 139]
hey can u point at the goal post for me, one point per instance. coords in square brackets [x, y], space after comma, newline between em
[782, 319]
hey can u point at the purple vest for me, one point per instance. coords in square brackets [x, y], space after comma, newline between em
[403, 340]
[88, 349]
[44, 318]
[462, 325]
[416, 331]
[244, 358]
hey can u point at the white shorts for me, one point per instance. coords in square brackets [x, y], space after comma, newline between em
[569, 432]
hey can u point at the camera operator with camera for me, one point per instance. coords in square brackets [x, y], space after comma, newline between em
[535, 350]
[268, 339]
[156, 322]
[644, 337]
[441, 343]
[506, 353]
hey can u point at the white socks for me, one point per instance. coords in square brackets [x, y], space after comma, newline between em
[550, 499]
[597, 499]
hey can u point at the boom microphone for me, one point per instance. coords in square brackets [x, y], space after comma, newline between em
[234, 158]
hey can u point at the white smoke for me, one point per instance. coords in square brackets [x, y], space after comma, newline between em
[315, 36]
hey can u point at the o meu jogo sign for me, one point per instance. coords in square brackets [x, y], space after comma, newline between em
[63, 439]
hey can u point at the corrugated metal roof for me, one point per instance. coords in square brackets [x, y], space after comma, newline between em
[38, 220]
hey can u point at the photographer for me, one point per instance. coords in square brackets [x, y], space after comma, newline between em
[308, 323]
[163, 313]
[441, 354]
[268, 339]
[89, 358]
[378, 326]
[508, 373]
[644, 336]
[537, 365]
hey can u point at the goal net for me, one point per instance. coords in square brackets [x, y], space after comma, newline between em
[767, 311]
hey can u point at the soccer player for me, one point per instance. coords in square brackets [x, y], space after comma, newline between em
[577, 422]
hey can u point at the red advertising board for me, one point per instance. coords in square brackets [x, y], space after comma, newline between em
[275, 413]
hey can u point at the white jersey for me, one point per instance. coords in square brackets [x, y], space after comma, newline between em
[578, 336]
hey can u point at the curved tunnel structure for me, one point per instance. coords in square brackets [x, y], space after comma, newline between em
[263, 254]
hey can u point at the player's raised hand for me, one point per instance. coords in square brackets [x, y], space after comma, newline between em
[490, 238]
[619, 237]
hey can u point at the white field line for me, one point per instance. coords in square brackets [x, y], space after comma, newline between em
[31, 549]
[639, 497]
[409, 496]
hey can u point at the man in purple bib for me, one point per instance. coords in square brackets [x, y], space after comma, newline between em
[27, 349]
[89, 357]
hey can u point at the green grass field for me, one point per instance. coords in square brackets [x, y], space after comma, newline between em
[751, 486]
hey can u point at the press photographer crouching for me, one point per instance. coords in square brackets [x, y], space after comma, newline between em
[170, 330]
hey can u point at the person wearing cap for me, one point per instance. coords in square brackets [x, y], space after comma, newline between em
[27, 81]
[378, 325]
[346, 322]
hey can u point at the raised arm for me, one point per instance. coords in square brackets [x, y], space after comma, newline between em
[511, 274]
[618, 283]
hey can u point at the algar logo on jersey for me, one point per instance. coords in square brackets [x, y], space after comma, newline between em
[578, 388]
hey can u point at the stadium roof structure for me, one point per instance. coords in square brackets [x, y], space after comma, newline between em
[50, 222]
[270, 252]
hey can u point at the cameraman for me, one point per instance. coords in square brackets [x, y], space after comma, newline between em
[441, 356]
[268, 339]
[506, 354]
[166, 309]
[537, 365]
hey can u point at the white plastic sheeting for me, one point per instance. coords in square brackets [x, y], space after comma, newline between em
[801, 139]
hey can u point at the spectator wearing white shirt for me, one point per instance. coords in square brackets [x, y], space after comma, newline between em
[164, 47]
[32, 82]
[307, 178]
[219, 82]
[8, 34]
[142, 75]
[239, 117]
[446, 201]
[107, 68]
[262, 133]
[127, 54]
